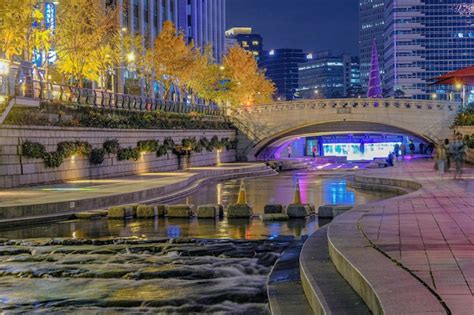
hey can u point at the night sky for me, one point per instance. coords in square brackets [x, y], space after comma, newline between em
[312, 25]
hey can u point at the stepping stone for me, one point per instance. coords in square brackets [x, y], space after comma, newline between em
[147, 212]
[180, 211]
[120, 212]
[208, 211]
[332, 211]
[162, 209]
[239, 211]
[274, 217]
[298, 211]
[88, 215]
[276, 208]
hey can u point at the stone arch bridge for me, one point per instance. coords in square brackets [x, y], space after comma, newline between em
[265, 128]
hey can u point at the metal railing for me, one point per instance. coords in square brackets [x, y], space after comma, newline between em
[109, 100]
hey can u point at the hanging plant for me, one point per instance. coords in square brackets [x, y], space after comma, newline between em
[33, 150]
[148, 146]
[111, 146]
[126, 154]
[53, 159]
[97, 156]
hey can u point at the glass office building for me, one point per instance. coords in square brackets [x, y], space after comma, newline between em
[329, 76]
[372, 25]
[425, 39]
[247, 39]
[281, 67]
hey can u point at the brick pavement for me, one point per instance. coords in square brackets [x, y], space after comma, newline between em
[430, 232]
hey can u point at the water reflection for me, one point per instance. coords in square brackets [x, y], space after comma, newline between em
[315, 189]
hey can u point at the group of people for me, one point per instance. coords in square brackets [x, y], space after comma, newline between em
[447, 152]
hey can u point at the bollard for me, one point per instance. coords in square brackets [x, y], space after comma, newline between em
[297, 194]
[242, 199]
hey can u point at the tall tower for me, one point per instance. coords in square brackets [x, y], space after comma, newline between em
[374, 89]
[371, 25]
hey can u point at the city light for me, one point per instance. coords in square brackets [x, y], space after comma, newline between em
[4, 67]
[131, 57]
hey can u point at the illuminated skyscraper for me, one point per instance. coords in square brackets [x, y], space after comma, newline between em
[425, 39]
[202, 21]
[371, 16]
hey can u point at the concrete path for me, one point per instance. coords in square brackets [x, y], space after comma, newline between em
[429, 232]
[93, 194]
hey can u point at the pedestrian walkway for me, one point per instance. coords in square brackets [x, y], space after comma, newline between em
[429, 232]
[81, 195]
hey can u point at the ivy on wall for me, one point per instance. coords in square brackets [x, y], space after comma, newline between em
[96, 156]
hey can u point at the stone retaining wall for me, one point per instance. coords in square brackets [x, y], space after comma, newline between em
[16, 170]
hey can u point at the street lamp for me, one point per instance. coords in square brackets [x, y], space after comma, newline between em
[131, 57]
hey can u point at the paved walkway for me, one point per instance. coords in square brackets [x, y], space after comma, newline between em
[430, 232]
[79, 189]
[62, 199]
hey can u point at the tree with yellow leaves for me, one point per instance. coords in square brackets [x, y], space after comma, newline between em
[171, 59]
[85, 39]
[206, 79]
[22, 29]
[247, 84]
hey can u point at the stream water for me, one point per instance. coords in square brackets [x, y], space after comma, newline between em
[163, 265]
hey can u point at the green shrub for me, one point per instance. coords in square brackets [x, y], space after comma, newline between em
[206, 144]
[148, 146]
[69, 148]
[97, 156]
[189, 143]
[126, 154]
[111, 146]
[33, 150]
[161, 151]
[168, 143]
[53, 159]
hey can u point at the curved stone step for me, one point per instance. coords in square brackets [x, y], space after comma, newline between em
[385, 287]
[285, 290]
[325, 288]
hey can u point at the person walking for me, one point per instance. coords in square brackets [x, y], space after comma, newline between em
[313, 150]
[396, 150]
[458, 153]
[422, 148]
[440, 157]
[290, 151]
[412, 148]
[403, 149]
[449, 151]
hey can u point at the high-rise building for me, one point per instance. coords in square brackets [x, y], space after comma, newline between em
[328, 76]
[372, 26]
[281, 67]
[425, 39]
[202, 22]
[248, 40]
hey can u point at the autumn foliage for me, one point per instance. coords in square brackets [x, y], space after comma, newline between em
[92, 47]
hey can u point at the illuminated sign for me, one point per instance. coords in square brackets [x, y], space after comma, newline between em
[50, 16]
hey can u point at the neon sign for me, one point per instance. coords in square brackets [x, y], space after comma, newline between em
[50, 16]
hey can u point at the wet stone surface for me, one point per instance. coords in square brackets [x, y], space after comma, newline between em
[136, 276]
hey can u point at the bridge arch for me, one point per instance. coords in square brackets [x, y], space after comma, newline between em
[267, 147]
[268, 125]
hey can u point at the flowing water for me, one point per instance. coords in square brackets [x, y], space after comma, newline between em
[158, 266]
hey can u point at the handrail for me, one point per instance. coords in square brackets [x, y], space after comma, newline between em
[110, 100]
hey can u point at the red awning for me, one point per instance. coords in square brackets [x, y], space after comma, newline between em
[463, 76]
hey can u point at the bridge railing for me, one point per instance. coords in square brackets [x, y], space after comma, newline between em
[346, 104]
[109, 100]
